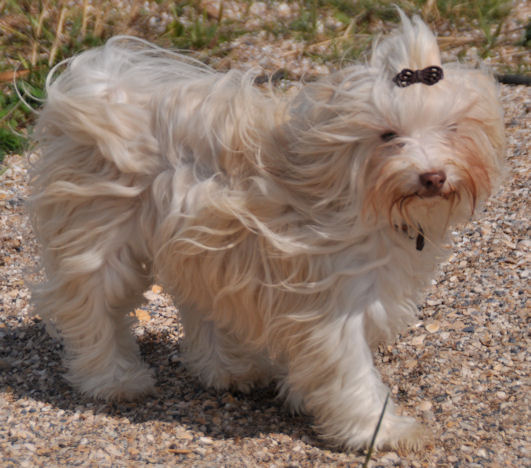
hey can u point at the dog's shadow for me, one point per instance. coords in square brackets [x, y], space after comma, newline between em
[30, 367]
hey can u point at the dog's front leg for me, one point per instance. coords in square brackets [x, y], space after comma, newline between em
[331, 375]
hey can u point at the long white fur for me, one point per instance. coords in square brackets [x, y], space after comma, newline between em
[282, 226]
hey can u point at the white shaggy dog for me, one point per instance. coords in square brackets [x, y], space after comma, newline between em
[294, 232]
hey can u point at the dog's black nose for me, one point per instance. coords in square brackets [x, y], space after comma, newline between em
[432, 182]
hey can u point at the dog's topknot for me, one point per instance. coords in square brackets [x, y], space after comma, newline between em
[411, 46]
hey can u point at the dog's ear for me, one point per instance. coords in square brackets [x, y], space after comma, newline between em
[479, 116]
[412, 46]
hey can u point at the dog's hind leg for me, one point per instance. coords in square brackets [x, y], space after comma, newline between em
[218, 359]
[90, 186]
[89, 297]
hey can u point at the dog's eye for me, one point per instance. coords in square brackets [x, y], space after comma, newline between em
[388, 136]
[452, 127]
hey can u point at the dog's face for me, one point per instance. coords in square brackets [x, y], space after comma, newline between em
[435, 152]
[421, 155]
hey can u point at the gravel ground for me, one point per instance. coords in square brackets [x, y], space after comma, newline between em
[462, 370]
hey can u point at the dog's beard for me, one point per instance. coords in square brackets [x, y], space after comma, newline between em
[421, 217]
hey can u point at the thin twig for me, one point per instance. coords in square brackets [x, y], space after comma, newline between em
[11, 75]
[84, 19]
[57, 39]
[373, 440]
[99, 23]
[513, 79]
[38, 31]
[5, 27]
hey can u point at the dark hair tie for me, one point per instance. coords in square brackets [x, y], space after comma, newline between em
[429, 76]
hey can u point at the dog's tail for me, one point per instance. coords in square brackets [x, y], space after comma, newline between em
[93, 140]
[99, 102]
[124, 62]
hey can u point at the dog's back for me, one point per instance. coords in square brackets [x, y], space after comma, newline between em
[121, 114]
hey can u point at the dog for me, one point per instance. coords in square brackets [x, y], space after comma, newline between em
[294, 231]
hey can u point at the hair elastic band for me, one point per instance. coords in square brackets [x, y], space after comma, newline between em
[428, 76]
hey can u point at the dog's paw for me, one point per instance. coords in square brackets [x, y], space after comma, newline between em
[120, 384]
[396, 432]
[223, 381]
[402, 433]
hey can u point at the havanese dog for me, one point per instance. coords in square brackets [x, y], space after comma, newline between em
[294, 231]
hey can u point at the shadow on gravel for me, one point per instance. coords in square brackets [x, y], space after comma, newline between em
[30, 367]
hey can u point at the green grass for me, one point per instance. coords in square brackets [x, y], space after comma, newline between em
[197, 30]
[16, 113]
[487, 16]
[37, 34]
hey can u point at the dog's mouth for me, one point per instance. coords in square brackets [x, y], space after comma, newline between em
[419, 242]
[426, 195]
[416, 234]
[424, 217]
[410, 225]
